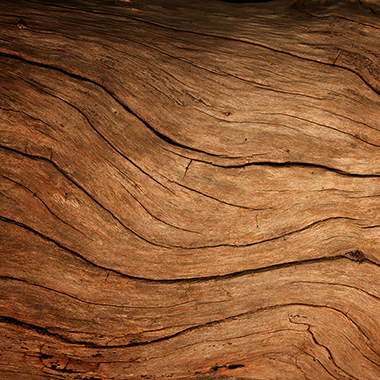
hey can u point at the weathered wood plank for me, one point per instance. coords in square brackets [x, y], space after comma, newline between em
[189, 190]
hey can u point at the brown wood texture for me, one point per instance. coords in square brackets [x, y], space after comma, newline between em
[190, 190]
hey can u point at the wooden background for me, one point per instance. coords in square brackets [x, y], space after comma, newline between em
[190, 190]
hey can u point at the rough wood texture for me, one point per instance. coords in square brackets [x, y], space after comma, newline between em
[190, 190]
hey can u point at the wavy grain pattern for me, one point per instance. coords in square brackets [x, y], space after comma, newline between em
[190, 190]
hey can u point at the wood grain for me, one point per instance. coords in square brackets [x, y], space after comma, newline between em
[190, 190]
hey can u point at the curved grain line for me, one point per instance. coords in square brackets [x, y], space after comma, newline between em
[293, 6]
[335, 284]
[44, 159]
[34, 194]
[90, 302]
[168, 139]
[347, 256]
[44, 331]
[250, 42]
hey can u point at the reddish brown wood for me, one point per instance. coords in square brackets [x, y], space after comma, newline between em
[189, 190]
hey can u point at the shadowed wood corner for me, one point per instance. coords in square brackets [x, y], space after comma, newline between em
[190, 189]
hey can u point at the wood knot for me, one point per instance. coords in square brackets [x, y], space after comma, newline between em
[21, 24]
[356, 255]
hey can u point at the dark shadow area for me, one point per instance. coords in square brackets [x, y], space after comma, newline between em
[245, 1]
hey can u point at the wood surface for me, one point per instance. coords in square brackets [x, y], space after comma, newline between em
[190, 190]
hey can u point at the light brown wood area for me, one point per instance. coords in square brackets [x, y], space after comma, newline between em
[190, 190]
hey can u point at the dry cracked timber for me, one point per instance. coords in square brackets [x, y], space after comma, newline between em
[189, 190]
